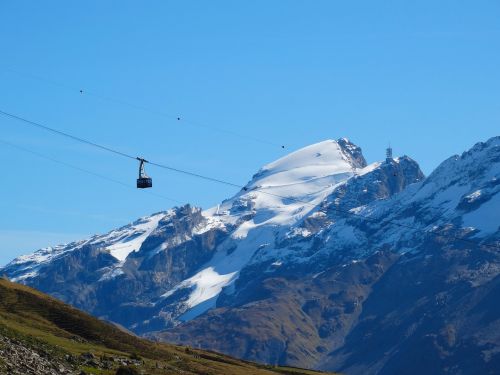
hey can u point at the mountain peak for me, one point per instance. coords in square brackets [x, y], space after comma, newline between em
[325, 153]
[286, 189]
[313, 162]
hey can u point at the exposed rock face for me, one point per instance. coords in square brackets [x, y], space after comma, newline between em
[437, 309]
[321, 261]
[18, 359]
[352, 152]
[286, 319]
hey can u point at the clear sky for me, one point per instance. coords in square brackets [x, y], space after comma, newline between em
[423, 75]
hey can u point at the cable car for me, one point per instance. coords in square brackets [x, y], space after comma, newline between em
[144, 181]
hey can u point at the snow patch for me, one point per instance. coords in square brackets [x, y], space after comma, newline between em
[130, 238]
[486, 218]
[205, 285]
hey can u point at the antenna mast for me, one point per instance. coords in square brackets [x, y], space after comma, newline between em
[388, 154]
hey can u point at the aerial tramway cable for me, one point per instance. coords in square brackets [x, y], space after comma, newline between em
[78, 139]
[98, 175]
[105, 148]
[163, 114]
[216, 180]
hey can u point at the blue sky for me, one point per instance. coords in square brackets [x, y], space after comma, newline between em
[422, 75]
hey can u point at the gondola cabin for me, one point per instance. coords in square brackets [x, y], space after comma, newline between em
[144, 181]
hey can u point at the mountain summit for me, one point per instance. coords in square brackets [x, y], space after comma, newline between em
[304, 264]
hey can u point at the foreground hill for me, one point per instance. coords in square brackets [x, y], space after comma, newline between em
[41, 335]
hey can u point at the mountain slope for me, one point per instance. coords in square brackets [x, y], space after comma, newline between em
[40, 335]
[388, 294]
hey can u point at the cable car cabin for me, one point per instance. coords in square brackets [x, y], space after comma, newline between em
[144, 181]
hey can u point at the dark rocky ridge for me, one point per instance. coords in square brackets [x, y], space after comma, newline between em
[352, 152]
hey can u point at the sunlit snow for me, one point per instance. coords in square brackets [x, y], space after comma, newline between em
[131, 239]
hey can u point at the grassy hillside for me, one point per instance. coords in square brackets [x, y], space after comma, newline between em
[39, 334]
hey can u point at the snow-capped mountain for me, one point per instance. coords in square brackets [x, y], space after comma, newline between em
[286, 270]
[216, 243]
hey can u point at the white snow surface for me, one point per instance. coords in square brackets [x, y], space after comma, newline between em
[130, 238]
[486, 218]
[287, 189]
[206, 284]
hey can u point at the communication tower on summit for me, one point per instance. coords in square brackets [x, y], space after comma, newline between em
[388, 154]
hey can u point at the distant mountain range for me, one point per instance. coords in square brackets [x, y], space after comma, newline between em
[321, 261]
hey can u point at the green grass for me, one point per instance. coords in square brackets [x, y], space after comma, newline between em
[46, 324]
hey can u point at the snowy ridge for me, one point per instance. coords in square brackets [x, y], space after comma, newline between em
[27, 266]
[455, 190]
[461, 197]
[119, 243]
[306, 176]
[130, 238]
